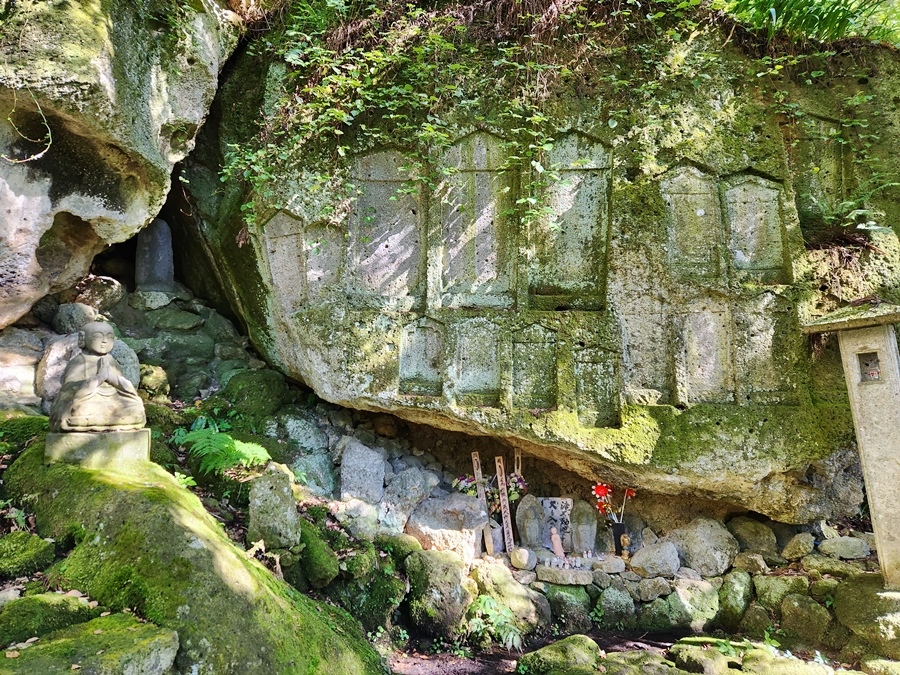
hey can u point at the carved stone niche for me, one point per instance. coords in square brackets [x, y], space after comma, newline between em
[694, 222]
[303, 261]
[704, 369]
[534, 381]
[421, 358]
[478, 236]
[597, 386]
[385, 267]
[568, 246]
[477, 365]
[754, 215]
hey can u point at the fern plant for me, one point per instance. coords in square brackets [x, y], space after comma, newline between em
[217, 451]
[489, 620]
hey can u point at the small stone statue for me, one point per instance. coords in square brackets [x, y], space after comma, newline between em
[95, 394]
[625, 540]
[556, 543]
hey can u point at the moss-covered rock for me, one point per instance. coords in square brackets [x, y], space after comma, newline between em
[864, 606]
[23, 553]
[113, 645]
[570, 607]
[734, 598]
[17, 428]
[638, 663]
[320, 562]
[256, 393]
[398, 546]
[570, 652]
[616, 608]
[530, 609]
[35, 615]
[440, 592]
[372, 600]
[805, 620]
[148, 544]
[771, 590]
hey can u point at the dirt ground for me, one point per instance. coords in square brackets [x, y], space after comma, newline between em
[416, 662]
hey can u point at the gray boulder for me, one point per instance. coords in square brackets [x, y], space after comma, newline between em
[440, 592]
[404, 493]
[754, 536]
[846, 548]
[799, 545]
[705, 546]
[273, 515]
[448, 523]
[650, 589]
[362, 472]
[616, 607]
[656, 560]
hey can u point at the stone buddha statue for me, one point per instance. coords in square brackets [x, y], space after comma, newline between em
[95, 394]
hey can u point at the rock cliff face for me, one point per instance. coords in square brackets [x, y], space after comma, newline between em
[645, 328]
[99, 101]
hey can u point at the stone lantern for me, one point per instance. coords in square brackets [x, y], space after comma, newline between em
[872, 370]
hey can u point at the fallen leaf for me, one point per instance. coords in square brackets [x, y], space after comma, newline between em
[12, 655]
[104, 613]
[98, 631]
[75, 666]
[99, 652]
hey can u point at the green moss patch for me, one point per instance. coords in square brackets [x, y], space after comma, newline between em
[36, 615]
[23, 553]
[17, 428]
[256, 394]
[110, 645]
[148, 544]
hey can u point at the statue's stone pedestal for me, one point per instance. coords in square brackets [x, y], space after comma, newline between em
[111, 450]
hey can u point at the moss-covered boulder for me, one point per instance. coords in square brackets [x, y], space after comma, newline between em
[573, 651]
[804, 620]
[735, 595]
[146, 543]
[24, 553]
[113, 645]
[615, 608]
[638, 663]
[256, 394]
[35, 615]
[570, 607]
[17, 428]
[320, 562]
[530, 609]
[872, 613]
[771, 590]
[440, 592]
[115, 92]
[373, 600]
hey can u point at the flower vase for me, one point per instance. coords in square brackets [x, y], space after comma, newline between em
[619, 530]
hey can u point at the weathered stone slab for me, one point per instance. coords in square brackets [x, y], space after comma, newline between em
[558, 514]
[704, 371]
[753, 212]
[478, 251]
[476, 367]
[564, 577]
[273, 515]
[534, 368]
[109, 450]
[694, 221]
[385, 239]
[421, 358]
[362, 472]
[568, 267]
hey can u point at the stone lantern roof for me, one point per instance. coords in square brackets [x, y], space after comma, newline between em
[859, 316]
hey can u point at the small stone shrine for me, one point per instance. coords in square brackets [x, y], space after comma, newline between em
[872, 370]
[98, 418]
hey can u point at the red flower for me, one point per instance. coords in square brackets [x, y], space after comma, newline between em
[601, 490]
[629, 493]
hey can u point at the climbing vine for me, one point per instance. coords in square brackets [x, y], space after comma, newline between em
[365, 75]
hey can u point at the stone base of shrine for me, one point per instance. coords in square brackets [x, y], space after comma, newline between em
[109, 450]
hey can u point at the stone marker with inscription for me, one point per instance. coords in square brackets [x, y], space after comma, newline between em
[97, 420]
[872, 372]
